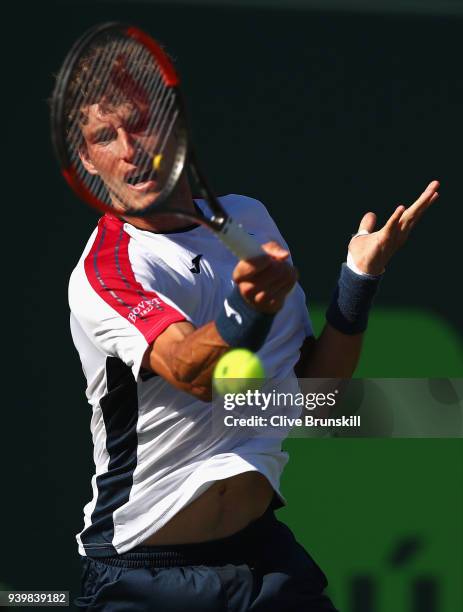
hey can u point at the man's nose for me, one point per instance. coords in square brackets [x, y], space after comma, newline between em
[127, 145]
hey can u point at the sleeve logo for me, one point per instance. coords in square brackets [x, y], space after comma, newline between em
[143, 308]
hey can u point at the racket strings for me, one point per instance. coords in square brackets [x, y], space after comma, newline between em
[84, 96]
[91, 89]
[162, 111]
[121, 72]
[87, 68]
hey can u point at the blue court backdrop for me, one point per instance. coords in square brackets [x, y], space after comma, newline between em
[322, 115]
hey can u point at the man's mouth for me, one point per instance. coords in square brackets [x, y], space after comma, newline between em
[138, 179]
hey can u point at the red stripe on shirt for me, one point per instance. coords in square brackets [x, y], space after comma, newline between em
[110, 273]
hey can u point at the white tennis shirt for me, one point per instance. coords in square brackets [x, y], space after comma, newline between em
[154, 451]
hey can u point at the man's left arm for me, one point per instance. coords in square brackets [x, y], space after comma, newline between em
[335, 354]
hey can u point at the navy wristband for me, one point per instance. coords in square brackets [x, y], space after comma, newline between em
[351, 302]
[240, 325]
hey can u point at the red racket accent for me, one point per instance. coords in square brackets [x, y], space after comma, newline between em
[167, 70]
[123, 80]
[81, 190]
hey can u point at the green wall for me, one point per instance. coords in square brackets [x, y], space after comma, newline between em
[385, 512]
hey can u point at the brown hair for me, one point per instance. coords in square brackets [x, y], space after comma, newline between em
[104, 74]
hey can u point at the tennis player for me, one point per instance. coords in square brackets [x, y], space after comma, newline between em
[182, 518]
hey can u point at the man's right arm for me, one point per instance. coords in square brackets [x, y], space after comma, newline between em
[186, 356]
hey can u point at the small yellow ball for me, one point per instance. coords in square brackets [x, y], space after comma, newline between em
[237, 371]
[157, 159]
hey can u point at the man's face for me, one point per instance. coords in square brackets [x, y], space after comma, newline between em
[119, 148]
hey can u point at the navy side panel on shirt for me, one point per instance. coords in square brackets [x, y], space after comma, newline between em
[120, 413]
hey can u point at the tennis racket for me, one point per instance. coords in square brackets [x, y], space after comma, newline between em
[116, 76]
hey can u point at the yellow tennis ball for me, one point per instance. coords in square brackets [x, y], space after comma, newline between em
[237, 371]
[157, 159]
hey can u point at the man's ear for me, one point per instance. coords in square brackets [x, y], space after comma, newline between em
[86, 161]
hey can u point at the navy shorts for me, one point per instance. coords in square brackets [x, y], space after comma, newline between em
[261, 568]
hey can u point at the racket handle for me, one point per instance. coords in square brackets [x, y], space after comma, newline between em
[240, 243]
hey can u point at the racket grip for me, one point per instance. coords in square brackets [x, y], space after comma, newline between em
[240, 243]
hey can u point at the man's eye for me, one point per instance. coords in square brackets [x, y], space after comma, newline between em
[105, 137]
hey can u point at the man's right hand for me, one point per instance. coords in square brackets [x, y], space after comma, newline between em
[186, 356]
[265, 281]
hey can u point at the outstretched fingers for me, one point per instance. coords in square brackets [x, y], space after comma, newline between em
[415, 211]
[427, 194]
[392, 223]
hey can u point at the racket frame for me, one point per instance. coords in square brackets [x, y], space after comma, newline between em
[231, 233]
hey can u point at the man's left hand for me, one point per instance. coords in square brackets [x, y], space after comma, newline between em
[371, 252]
